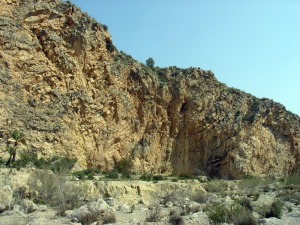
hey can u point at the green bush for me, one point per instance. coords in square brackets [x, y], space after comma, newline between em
[59, 164]
[146, 177]
[112, 175]
[255, 196]
[290, 195]
[124, 167]
[56, 190]
[108, 217]
[236, 214]
[217, 213]
[216, 186]
[56, 163]
[185, 176]
[199, 197]
[246, 202]
[86, 174]
[293, 179]
[154, 215]
[274, 210]
[243, 216]
[251, 183]
[158, 177]
[175, 219]
[175, 179]
[150, 62]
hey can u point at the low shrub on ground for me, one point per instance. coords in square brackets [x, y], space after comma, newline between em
[154, 215]
[86, 174]
[55, 190]
[217, 213]
[185, 176]
[151, 177]
[199, 197]
[112, 174]
[293, 179]
[60, 164]
[146, 177]
[246, 202]
[243, 216]
[158, 177]
[290, 195]
[175, 179]
[175, 219]
[235, 213]
[90, 217]
[252, 183]
[255, 196]
[108, 217]
[57, 164]
[96, 216]
[273, 210]
[215, 186]
[124, 167]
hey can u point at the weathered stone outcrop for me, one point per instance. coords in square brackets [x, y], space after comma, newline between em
[66, 87]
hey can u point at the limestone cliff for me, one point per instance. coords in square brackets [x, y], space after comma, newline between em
[67, 88]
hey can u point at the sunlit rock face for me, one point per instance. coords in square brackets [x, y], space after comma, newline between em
[69, 90]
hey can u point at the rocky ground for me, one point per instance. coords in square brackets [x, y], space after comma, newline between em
[33, 197]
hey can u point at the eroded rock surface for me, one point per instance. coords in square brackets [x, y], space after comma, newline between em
[66, 87]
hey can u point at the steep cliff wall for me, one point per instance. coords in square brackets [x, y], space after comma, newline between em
[66, 87]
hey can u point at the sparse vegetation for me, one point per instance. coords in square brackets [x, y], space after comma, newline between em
[186, 176]
[290, 195]
[55, 190]
[86, 174]
[217, 213]
[200, 197]
[124, 167]
[175, 219]
[158, 177]
[246, 202]
[243, 216]
[252, 183]
[154, 215]
[108, 217]
[236, 214]
[112, 174]
[146, 177]
[57, 164]
[273, 210]
[216, 186]
[293, 179]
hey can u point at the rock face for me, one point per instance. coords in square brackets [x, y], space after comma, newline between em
[67, 88]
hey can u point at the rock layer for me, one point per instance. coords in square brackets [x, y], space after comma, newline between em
[68, 89]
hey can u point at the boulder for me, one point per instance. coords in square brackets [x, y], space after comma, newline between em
[28, 206]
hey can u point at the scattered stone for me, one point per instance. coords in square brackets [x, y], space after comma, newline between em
[169, 204]
[42, 208]
[28, 206]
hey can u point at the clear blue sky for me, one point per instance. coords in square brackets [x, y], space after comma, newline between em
[252, 45]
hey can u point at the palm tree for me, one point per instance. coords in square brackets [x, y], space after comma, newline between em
[12, 150]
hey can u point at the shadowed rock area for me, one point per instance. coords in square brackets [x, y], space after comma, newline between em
[66, 87]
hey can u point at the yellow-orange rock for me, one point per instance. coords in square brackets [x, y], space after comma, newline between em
[65, 86]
